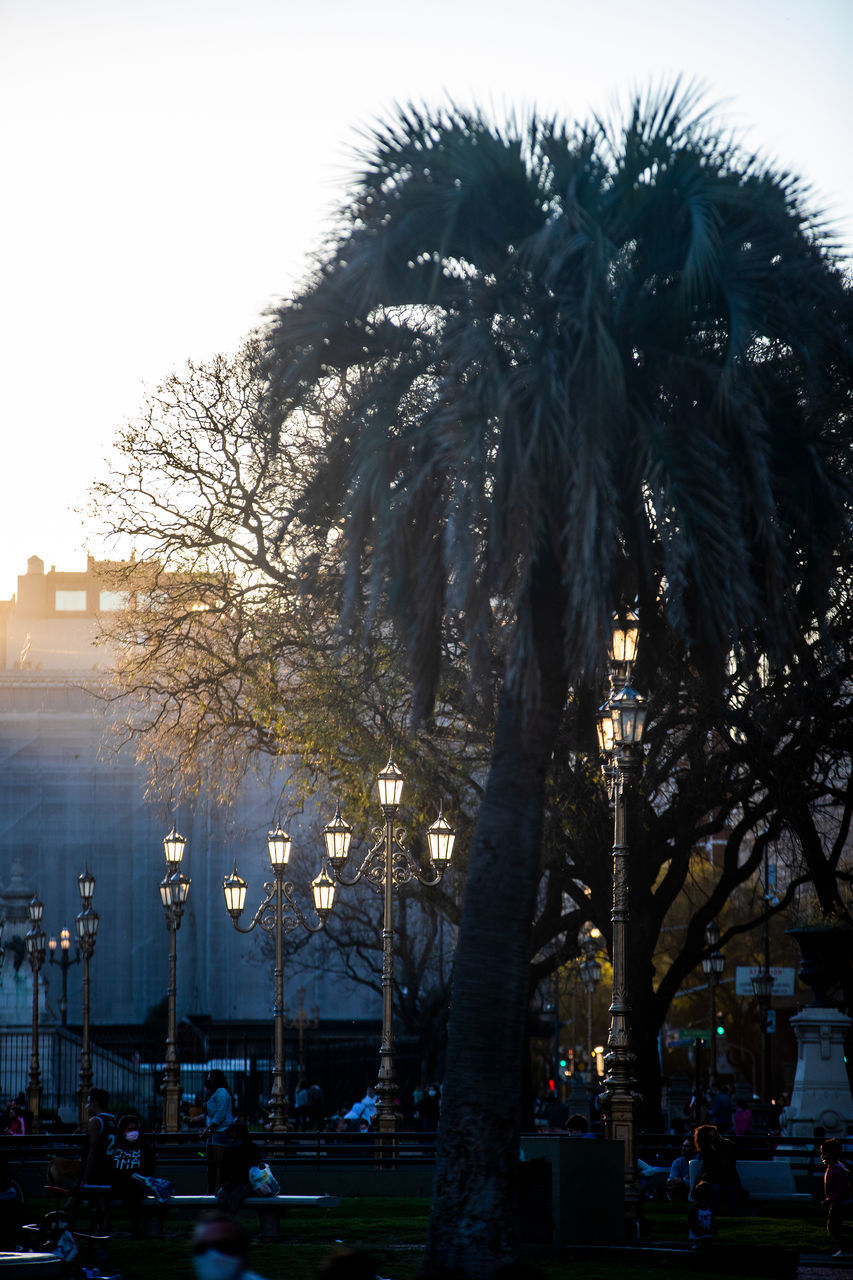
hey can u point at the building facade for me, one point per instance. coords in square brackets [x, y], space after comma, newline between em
[69, 802]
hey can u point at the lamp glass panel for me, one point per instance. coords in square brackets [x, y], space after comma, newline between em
[279, 845]
[337, 835]
[628, 712]
[234, 887]
[165, 892]
[179, 887]
[323, 889]
[441, 838]
[86, 885]
[173, 846]
[712, 933]
[390, 783]
[604, 729]
[626, 632]
[87, 924]
[36, 911]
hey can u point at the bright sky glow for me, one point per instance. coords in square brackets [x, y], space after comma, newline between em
[168, 166]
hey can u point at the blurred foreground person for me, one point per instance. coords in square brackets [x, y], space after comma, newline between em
[220, 1248]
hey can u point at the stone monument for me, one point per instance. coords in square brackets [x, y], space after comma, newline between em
[821, 1098]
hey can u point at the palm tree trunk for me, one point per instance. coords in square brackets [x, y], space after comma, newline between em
[474, 1220]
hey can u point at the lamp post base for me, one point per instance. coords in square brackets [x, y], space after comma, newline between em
[34, 1104]
[620, 1107]
[171, 1106]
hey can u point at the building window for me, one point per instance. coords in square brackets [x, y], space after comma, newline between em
[113, 601]
[71, 602]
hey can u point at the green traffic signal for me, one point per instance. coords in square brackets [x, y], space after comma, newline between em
[721, 1030]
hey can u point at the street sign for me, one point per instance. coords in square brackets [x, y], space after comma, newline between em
[783, 979]
[677, 1039]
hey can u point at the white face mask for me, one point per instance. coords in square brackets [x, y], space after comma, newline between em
[131, 1134]
[213, 1265]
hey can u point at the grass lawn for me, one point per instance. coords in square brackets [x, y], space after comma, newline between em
[393, 1233]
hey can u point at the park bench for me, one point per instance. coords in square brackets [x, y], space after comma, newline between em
[770, 1182]
[270, 1210]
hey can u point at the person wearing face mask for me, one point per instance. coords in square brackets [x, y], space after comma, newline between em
[131, 1154]
[220, 1248]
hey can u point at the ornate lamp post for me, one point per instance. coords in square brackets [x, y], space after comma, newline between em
[278, 914]
[386, 866]
[712, 967]
[620, 735]
[590, 977]
[762, 985]
[65, 962]
[87, 930]
[34, 941]
[174, 888]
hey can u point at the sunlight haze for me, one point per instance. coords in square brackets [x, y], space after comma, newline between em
[170, 166]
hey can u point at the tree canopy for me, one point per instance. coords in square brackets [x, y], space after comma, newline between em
[589, 365]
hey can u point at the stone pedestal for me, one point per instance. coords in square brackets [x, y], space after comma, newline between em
[821, 1097]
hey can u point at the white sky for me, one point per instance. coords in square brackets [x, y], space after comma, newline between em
[167, 166]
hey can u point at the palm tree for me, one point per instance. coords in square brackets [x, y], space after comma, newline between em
[596, 364]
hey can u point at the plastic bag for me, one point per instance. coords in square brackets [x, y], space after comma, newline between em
[161, 1188]
[263, 1183]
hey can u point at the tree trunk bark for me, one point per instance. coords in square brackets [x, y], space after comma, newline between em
[474, 1224]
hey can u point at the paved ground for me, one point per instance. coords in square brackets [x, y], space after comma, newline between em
[816, 1266]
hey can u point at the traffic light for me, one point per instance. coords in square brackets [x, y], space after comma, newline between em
[720, 1029]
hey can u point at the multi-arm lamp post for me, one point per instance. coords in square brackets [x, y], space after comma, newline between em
[278, 914]
[35, 941]
[65, 962]
[620, 735]
[87, 930]
[387, 865]
[174, 888]
[712, 967]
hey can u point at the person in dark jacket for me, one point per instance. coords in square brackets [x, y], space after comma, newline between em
[238, 1156]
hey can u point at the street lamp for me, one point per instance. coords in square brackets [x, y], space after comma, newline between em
[387, 865]
[712, 967]
[87, 930]
[174, 888]
[34, 941]
[65, 962]
[301, 1021]
[762, 985]
[590, 969]
[620, 734]
[278, 914]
